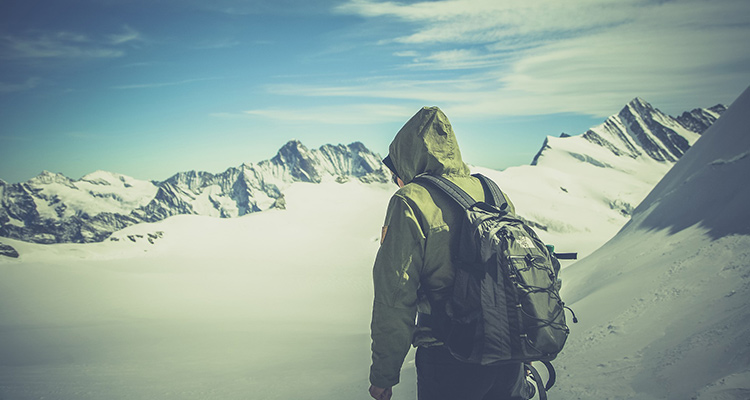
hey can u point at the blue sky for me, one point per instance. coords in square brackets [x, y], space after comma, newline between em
[150, 88]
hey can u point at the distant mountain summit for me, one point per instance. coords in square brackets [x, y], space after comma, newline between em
[640, 130]
[700, 119]
[52, 208]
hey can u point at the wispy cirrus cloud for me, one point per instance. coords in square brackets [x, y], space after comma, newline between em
[488, 21]
[353, 114]
[163, 84]
[65, 44]
[546, 56]
[29, 84]
[128, 35]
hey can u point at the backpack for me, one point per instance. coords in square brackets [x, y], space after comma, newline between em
[505, 304]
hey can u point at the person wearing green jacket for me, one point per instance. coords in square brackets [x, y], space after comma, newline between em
[413, 270]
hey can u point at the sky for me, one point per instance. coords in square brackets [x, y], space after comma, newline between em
[151, 88]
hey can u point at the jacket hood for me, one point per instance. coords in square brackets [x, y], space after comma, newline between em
[426, 144]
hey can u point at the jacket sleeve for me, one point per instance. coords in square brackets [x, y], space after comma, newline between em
[396, 280]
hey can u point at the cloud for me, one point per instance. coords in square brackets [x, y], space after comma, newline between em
[457, 59]
[546, 56]
[59, 45]
[487, 21]
[29, 84]
[129, 35]
[65, 44]
[162, 84]
[354, 114]
[219, 44]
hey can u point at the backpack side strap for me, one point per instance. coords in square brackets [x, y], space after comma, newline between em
[448, 187]
[541, 387]
[496, 197]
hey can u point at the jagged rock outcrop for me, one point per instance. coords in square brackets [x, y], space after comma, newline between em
[8, 251]
[700, 119]
[53, 208]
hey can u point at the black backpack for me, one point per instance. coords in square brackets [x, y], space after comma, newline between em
[505, 305]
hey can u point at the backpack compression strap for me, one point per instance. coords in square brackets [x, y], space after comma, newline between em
[496, 195]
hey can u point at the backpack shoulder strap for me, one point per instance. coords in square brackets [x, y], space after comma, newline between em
[448, 187]
[492, 192]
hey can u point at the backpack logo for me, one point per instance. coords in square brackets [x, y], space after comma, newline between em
[525, 242]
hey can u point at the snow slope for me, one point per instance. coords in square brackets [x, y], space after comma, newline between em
[272, 305]
[664, 305]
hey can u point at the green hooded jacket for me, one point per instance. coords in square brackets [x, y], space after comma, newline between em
[413, 266]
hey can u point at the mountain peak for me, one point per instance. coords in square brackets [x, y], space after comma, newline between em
[47, 177]
[640, 105]
[293, 144]
[706, 177]
[700, 119]
[639, 100]
[107, 178]
[641, 130]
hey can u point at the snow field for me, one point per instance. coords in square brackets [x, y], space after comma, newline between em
[274, 305]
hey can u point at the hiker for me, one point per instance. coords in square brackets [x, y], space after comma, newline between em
[413, 270]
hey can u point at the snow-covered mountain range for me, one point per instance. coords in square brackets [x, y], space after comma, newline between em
[52, 208]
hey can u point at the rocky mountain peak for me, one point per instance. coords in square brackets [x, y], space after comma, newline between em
[640, 104]
[700, 119]
[46, 178]
[298, 161]
[641, 130]
[190, 179]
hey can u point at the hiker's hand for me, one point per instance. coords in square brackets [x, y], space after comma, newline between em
[379, 393]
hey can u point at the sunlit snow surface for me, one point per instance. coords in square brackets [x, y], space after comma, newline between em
[664, 305]
[274, 305]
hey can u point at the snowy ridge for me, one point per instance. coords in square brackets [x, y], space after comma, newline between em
[52, 208]
[641, 131]
[606, 171]
[664, 305]
[700, 119]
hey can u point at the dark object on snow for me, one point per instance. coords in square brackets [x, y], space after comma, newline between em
[566, 256]
[8, 251]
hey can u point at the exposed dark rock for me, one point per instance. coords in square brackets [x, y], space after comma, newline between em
[8, 251]
[700, 119]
